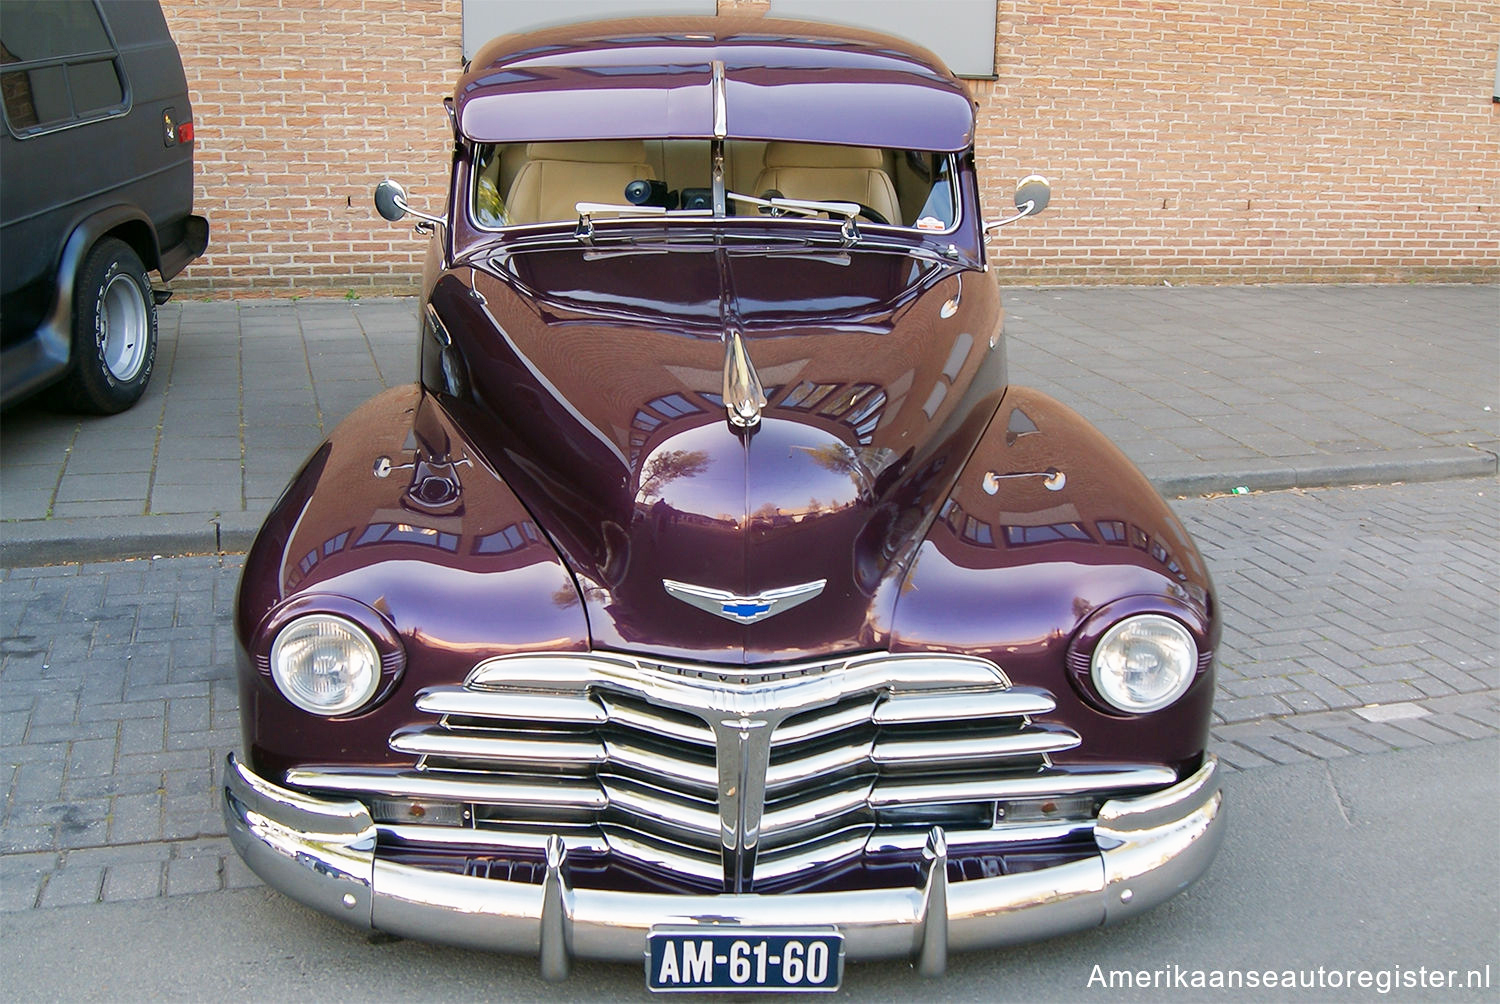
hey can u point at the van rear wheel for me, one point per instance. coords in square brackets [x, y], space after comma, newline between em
[114, 331]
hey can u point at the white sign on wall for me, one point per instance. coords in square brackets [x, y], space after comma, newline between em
[485, 19]
[961, 32]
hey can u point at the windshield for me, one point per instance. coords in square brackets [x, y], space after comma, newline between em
[518, 184]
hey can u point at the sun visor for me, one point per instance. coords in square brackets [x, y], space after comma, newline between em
[853, 105]
[525, 103]
[856, 106]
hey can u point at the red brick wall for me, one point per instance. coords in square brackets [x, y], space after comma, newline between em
[1221, 140]
[300, 107]
[1249, 140]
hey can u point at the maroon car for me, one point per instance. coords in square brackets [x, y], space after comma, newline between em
[713, 599]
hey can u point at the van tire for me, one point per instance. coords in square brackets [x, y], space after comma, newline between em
[114, 332]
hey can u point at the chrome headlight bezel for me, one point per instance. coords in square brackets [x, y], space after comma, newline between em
[1140, 644]
[301, 653]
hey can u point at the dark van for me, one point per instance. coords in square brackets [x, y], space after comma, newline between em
[96, 192]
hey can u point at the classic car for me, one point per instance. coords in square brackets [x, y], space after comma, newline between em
[713, 600]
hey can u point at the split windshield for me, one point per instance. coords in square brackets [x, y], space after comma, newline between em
[518, 184]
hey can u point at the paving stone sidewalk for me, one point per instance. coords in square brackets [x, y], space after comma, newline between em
[1357, 621]
[1206, 388]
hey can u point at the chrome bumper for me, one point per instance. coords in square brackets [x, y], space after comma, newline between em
[322, 853]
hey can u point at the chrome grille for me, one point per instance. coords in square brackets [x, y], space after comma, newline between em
[731, 777]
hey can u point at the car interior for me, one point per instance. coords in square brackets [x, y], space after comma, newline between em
[519, 184]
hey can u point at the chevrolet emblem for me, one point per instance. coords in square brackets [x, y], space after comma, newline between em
[744, 609]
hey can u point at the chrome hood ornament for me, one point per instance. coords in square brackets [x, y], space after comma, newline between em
[744, 609]
[743, 395]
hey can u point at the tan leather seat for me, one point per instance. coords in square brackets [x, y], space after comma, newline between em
[555, 176]
[830, 174]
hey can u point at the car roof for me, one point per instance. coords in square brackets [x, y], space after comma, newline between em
[668, 78]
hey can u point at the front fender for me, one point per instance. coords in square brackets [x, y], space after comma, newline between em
[396, 514]
[1048, 524]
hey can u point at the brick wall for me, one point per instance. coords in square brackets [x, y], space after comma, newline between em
[1249, 140]
[1221, 140]
[300, 107]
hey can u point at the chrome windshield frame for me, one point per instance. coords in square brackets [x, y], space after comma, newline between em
[721, 202]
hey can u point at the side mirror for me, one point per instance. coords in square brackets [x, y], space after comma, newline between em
[1033, 192]
[390, 200]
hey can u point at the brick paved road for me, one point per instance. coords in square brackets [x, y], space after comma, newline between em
[1358, 620]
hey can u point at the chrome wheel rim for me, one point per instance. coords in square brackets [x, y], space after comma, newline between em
[124, 328]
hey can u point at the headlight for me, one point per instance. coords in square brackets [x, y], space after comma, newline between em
[1144, 663]
[325, 664]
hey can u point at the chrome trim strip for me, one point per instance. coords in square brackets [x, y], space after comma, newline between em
[668, 815]
[825, 682]
[665, 857]
[580, 839]
[703, 778]
[773, 862]
[821, 807]
[519, 705]
[904, 709]
[643, 719]
[847, 843]
[530, 750]
[960, 841]
[791, 773]
[822, 724]
[490, 791]
[322, 853]
[721, 110]
[894, 792]
[977, 748]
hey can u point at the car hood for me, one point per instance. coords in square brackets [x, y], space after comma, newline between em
[592, 379]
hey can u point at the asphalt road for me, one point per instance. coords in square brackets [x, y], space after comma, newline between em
[1384, 864]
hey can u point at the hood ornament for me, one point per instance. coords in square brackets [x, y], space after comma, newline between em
[743, 395]
[744, 609]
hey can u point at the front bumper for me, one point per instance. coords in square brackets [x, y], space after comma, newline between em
[322, 853]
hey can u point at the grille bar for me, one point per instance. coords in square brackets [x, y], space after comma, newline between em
[664, 812]
[961, 705]
[578, 708]
[700, 778]
[481, 789]
[941, 749]
[989, 789]
[792, 773]
[539, 751]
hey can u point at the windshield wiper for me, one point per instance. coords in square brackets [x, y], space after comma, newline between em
[806, 208]
[586, 210]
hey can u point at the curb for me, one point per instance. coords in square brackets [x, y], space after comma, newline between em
[66, 541]
[27, 543]
[1323, 471]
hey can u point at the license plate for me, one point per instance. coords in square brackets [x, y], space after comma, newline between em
[695, 958]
